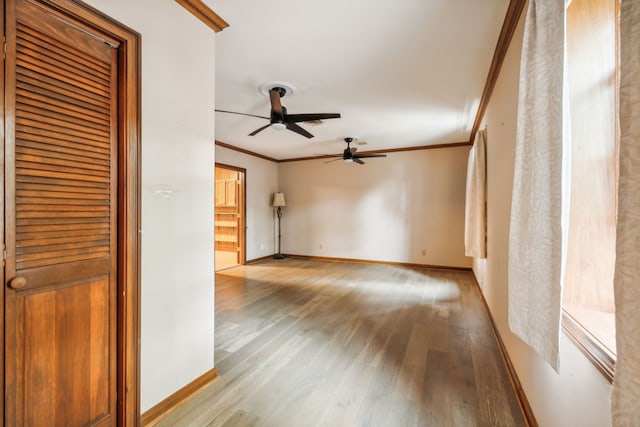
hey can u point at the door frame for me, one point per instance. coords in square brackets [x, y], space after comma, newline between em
[242, 230]
[129, 196]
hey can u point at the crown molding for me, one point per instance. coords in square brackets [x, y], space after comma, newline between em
[512, 17]
[388, 150]
[204, 13]
[329, 156]
[243, 151]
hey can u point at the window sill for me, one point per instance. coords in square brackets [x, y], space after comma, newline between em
[595, 351]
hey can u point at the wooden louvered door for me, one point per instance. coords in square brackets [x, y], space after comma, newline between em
[61, 217]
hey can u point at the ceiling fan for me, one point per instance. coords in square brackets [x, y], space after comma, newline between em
[349, 154]
[279, 118]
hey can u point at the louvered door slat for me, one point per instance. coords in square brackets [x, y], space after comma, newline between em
[76, 178]
[47, 84]
[55, 200]
[52, 154]
[56, 91]
[46, 195]
[29, 93]
[50, 235]
[57, 165]
[31, 261]
[68, 245]
[63, 117]
[47, 224]
[59, 130]
[88, 192]
[76, 72]
[43, 208]
[51, 67]
[88, 75]
[64, 156]
[39, 38]
[60, 238]
[91, 244]
[39, 59]
[36, 138]
[47, 180]
[30, 63]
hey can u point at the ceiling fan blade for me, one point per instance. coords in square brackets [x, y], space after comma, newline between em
[260, 129]
[242, 114]
[357, 160]
[364, 156]
[353, 150]
[299, 130]
[296, 118]
[276, 105]
[339, 158]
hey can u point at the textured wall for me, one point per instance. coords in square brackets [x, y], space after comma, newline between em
[578, 395]
[408, 207]
[178, 155]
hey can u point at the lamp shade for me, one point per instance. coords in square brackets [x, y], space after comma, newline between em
[278, 200]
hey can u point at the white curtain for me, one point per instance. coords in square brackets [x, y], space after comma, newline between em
[626, 384]
[475, 216]
[536, 249]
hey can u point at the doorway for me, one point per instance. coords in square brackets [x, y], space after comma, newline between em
[229, 216]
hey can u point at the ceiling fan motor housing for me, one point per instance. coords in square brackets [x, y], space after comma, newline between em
[277, 119]
[281, 91]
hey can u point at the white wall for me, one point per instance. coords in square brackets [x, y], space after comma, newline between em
[261, 182]
[177, 154]
[578, 395]
[389, 209]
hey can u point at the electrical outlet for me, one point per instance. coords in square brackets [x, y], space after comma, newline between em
[424, 252]
[320, 245]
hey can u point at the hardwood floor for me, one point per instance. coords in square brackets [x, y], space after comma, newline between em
[314, 343]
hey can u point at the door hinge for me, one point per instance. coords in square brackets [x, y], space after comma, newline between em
[4, 254]
[4, 47]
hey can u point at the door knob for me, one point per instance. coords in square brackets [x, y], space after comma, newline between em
[18, 283]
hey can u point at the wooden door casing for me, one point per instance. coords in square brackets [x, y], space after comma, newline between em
[90, 20]
[61, 172]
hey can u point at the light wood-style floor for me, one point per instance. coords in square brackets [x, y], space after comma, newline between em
[313, 343]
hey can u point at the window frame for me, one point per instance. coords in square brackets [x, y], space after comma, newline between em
[603, 359]
[589, 345]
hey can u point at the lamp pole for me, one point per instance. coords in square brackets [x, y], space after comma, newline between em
[279, 255]
[279, 203]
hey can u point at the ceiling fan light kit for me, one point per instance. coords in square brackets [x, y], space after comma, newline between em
[279, 118]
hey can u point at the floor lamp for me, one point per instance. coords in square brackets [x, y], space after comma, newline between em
[279, 203]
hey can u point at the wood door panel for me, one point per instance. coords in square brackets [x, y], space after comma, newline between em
[61, 220]
[55, 375]
[69, 272]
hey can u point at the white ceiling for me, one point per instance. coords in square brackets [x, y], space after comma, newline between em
[402, 73]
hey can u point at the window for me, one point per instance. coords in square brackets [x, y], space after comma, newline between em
[588, 299]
